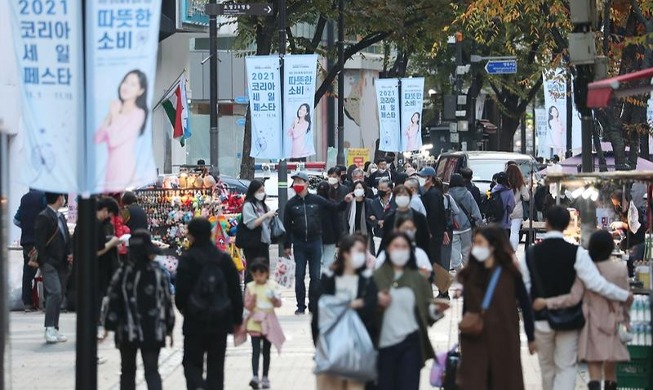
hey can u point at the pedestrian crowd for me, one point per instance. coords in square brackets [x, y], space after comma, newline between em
[376, 243]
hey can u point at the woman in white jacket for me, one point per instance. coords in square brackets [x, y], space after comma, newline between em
[518, 185]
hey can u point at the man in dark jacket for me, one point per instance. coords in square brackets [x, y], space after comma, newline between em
[52, 241]
[31, 204]
[135, 217]
[301, 218]
[382, 172]
[433, 200]
[467, 175]
[202, 339]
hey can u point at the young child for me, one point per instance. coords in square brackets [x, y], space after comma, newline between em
[261, 298]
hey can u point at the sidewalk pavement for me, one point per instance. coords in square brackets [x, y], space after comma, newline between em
[35, 365]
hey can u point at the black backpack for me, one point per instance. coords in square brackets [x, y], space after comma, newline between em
[493, 207]
[209, 301]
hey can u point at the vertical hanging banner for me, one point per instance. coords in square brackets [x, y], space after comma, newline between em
[48, 46]
[265, 106]
[541, 129]
[299, 74]
[387, 99]
[555, 102]
[121, 54]
[412, 100]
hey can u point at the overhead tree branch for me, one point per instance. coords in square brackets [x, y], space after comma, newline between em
[317, 37]
[531, 95]
[291, 40]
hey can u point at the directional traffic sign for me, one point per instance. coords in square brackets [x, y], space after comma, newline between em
[254, 9]
[241, 122]
[241, 100]
[501, 67]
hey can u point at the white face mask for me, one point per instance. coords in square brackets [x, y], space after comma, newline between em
[333, 180]
[400, 257]
[373, 170]
[381, 170]
[422, 181]
[260, 196]
[481, 253]
[402, 201]
[358, 259]
[410, 234]
[359, 192]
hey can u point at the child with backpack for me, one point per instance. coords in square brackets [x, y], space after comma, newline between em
[261, 298]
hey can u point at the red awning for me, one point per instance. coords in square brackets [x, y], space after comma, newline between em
[600, 92]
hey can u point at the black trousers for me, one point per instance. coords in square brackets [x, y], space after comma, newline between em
[256, 355]
[399, 365]
[196, 347]
[252, 253]
[150, 357]
[28, 277]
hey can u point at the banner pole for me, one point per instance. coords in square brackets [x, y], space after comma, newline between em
[340, 158]
[85, 255]
[282, 177]
[4, 306]
[399, 109]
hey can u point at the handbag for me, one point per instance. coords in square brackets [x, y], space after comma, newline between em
[344, 347]
[33, 254]
[277, 231]
[570, 318]
[234, 252]
[472, 323]
[246, 237]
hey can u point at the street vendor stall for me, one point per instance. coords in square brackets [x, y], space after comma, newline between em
[594, 194]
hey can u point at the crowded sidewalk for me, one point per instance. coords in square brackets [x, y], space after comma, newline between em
[34, 363]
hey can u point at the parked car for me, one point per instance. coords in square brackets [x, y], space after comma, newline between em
[484, 165]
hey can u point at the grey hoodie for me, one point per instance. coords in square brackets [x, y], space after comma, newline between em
[467, 205]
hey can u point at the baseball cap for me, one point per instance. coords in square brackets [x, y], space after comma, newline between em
[300, 175]
[427, 172]
[141, 241]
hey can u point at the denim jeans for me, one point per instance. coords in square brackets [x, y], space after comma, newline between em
[460, 248]
[307, 253]
[328, 255]
[399, 365]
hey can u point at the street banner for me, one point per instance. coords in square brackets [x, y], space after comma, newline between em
[541, 130]
[387, 99]
[357, 156]
[122, 39]
[412, 95]
[554, 141]
[300, 73]
[265, 103]
[48, 48]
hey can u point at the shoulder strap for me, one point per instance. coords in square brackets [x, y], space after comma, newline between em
[489, 293]
[56, 230]
[464, 209]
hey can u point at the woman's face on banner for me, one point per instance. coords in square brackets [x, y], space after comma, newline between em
[414, 118]
[130, 89]
[554, 112]
[301, 113]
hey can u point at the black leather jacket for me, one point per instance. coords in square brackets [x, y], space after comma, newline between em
[302, 217]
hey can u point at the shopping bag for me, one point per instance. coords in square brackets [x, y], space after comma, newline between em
[284, 272]
[344, 347]
[236, 256]
[439, 369]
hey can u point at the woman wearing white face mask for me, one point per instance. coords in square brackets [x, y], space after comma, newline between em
[402, 197]
[256, 220]
[492, 360]
[407, 226]
[359, 212]
[349, 279]
[409, 309]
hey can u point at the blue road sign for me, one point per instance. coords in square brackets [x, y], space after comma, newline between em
[240, 122]
[501, 67]
[241, 100]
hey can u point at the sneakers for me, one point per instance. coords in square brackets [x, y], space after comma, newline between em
[265, 383]
[254, 383]
[52, 336]
[299, 312]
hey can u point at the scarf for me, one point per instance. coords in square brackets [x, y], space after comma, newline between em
[352, 218]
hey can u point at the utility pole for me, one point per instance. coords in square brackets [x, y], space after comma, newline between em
[282, 177]
[341, 83]
[213, 80]
[4, 254]
[331, 109]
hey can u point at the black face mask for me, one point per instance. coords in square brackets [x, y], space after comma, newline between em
[382, 193]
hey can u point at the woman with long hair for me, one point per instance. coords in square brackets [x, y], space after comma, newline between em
[518, 185]
[413, 133]
[557, 131]
[599, 344]
[300, 128]
[406, 299]
[257, 218]
[121, 128]
[492, 360]
[349, 279]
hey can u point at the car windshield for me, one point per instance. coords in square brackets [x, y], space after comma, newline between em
[485, 169]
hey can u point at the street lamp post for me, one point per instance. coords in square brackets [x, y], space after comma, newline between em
[341, 82]
[213, 87]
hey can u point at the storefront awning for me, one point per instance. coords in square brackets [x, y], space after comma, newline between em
[600, 92]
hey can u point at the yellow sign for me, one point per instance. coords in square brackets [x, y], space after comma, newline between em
[357, 156]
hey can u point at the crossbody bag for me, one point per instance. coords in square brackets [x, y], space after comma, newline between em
[33, 255]
[472, 323]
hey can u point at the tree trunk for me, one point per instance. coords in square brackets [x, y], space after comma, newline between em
[509, 125]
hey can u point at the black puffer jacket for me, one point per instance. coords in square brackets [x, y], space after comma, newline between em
[302, 217]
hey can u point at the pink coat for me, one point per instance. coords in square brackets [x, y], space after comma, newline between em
[271, 328]
[599, 341]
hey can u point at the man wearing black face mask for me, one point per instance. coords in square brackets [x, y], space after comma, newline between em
[382, 206]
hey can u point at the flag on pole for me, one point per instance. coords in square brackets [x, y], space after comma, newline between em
[176, 106]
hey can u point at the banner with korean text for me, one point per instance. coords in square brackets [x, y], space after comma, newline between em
[264, 88]
[48, 46]
[387, 99]
[122, 39]
[412, 95]
[300, 72]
